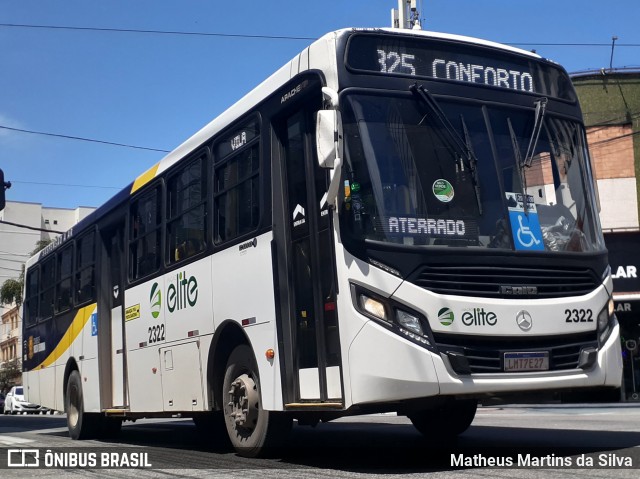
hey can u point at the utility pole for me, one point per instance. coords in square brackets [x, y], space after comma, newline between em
[613, 45]
[406, 15]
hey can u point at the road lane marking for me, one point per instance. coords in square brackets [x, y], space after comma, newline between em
[12, 440]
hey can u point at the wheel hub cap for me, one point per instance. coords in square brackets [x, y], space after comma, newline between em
[244, 402]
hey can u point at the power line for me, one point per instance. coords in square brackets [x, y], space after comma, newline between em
[29, 227]
[4, 232]
[11, 270]
[612, 139]
[604, 124]
[14, 254]
[12, 260]
[268, 37]
[157, 32]
[542, 44]
[69, 137]
[65, 184]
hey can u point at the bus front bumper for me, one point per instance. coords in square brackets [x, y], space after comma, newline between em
[386, 368]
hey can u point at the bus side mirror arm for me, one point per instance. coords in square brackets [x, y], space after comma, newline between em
[329, 143]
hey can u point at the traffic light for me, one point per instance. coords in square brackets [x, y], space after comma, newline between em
[4, 185]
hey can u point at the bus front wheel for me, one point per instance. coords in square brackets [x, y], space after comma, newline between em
[450, 419]
[252, 430]
[81, 425]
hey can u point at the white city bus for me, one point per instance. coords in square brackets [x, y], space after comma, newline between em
[393, 221]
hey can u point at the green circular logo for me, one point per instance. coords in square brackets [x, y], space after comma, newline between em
[445, 316]
[156, 300]
[443, 190]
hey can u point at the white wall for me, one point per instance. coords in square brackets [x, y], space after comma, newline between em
[618, 203]
[16, 243]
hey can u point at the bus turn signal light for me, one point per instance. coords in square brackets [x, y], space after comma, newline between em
[270, 354]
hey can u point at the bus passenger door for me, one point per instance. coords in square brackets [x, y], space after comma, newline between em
[304, 236]
[111, 349]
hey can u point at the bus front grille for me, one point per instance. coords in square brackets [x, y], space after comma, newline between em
[506, 282]
[485, 355]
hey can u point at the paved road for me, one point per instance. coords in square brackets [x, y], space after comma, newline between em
[372, 446]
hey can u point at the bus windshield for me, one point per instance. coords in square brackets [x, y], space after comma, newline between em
[459, 174]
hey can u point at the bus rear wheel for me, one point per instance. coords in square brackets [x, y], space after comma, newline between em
[81, 425]
[450, 419]
[252, 430]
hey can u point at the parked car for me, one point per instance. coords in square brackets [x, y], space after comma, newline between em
[2, 401]
[15, 402]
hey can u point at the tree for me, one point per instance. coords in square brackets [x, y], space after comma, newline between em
[11, 289]
[40, 245]
[10, 373]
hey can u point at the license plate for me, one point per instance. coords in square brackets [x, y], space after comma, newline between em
[526, 361]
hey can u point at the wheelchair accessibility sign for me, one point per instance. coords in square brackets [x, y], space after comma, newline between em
[525, 226]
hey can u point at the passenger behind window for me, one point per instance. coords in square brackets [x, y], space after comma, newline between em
[188, 248]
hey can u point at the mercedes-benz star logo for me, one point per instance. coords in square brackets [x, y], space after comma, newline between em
[523, 318]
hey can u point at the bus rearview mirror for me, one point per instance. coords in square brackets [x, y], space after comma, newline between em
[328, 137]
[329, 149]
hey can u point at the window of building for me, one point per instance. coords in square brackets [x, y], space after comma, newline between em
[186, 211]
[236, 180]
[144, 234]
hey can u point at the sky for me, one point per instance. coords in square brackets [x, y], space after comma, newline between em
[152, 91]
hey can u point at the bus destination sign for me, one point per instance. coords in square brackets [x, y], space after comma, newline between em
[449, 61]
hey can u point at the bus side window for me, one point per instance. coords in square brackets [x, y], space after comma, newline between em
[236, 207]
[47, 288]
[186, 211]
[85, 269]
[63, 279]
[32, 296]
[144, 237]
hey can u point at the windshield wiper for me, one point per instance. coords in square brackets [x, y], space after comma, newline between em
[520, 164]
[538, 123]
[472, 161]
[460, 148]
[541, 106]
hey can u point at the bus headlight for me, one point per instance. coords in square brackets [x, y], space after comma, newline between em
[373, 307]
[393, 315]
[604, 321]
[409, 321]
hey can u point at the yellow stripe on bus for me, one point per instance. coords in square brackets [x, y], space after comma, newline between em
[82, 316]
[145, 178]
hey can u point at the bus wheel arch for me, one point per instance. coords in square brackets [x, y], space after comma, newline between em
[71, 366]
[227, 337]
[81, 425]
[252, 430]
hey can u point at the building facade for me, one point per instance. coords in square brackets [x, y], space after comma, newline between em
[16, 244]
[10, 334]
[610, 102]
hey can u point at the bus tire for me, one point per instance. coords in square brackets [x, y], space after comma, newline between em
[450, 419]
[81, 425]
[252, 430]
